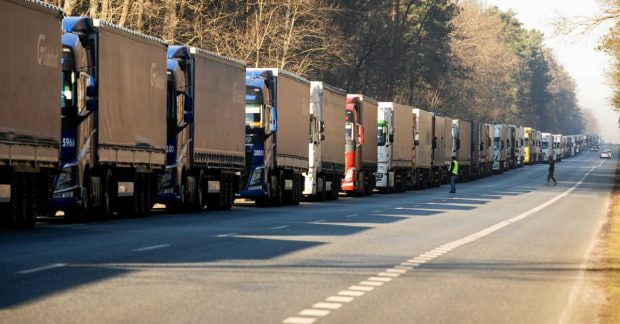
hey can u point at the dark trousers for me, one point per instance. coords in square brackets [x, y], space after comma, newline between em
[453, 183]
[550, 177]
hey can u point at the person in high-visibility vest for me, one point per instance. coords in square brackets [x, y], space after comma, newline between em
[454, 172]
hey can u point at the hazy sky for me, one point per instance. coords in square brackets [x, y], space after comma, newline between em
[576, 53]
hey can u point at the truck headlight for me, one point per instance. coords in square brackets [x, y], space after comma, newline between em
[257, 176]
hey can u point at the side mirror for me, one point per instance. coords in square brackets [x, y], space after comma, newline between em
[360, 133]
[458, 144]
[322, 127]
[274, 119]
[416, 143]
[322, 137]
[391, 138]
[434, 142]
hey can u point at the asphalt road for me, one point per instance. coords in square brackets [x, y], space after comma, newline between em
[507, 248]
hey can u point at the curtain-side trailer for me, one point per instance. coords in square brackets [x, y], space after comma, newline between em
[29, 108]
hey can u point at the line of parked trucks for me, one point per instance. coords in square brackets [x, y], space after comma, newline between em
[140, 122]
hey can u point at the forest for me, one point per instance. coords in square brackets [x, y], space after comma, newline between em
[461, 58]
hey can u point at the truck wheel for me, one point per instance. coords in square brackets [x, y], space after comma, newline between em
[320, 188]
[199, 196]
[278, 182]
[227, 191]
[110, 195]
[297, 189]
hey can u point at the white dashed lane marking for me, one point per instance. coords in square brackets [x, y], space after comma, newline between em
[152, 247]
[280, 227]
[226, 235]
[345, 296]
[43, 268]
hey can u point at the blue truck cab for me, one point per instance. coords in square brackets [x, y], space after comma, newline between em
[78, 108]
[261, 132]
[179, 125]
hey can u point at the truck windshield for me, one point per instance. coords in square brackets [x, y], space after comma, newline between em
[545, 145]
[253, 116]
[527, 141]
[496, 143]
[381, 136]
[67, 93]
[348, 132]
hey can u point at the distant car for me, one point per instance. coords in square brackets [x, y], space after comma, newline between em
[594, 149]
[606, 154]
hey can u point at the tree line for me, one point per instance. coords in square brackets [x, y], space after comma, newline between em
[463, 59]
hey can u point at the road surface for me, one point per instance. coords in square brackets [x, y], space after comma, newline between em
[507, 248]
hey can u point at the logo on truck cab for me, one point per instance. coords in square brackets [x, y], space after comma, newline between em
[46, 55]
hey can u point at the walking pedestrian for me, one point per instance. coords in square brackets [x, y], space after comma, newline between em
[454, 172]
[551, 170]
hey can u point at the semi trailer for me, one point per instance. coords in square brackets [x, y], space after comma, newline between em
[277, 127]
[395, 144]
[205, 150]
[113, 136]
[360, 145]
[326, 161]
[29, 116]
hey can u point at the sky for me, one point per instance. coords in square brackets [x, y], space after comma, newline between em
[577, 53]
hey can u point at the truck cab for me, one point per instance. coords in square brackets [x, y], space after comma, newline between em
[78, 106]
[260, 129]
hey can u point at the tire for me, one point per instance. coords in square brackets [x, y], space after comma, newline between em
[110, 195]
[278, 181]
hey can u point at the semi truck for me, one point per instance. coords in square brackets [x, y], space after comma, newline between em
[446, 143]
[276, 143]
[476, 165]
[461, 147]
[520, 146]
[538, 146]
[395, 144]
[424, 149]
[205, 105]
[511, 147]
[486, 148]
[528, 146]
[325, 158]
[360, 145]
[557, 147]
[440, 146]
[500, 144]
[113, 131]
[29, 117]
[546, 147]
